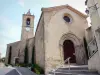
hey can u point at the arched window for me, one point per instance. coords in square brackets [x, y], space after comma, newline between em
[28, 22]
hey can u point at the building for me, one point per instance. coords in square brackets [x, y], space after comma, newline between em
[93, 9]
[59, 35]
[16, 51]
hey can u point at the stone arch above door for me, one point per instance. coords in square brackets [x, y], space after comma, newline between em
[78, 45]
[71, 37]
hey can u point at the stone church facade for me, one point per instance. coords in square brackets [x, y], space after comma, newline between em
[59, 35]
[17, 49]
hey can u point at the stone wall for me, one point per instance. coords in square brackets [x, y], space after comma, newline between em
[18, 50]
[39, 43]
[14, 50]
[30, 33]
[55, 28]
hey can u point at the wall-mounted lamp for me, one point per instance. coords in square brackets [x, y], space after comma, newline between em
[87, 11]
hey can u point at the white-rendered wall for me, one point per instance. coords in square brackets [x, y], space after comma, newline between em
[95, 20]
[94, 62]
[55, 28]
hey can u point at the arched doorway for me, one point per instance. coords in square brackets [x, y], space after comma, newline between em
[69, 51]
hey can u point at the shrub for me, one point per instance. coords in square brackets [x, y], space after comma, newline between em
[37, 69]
[6, 65]
[33, 55]
[26, 55]
[10, 53]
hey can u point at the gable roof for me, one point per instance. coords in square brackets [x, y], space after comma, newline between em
[59, 8]
[62, 7]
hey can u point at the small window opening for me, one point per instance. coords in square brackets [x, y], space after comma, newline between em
[28, 22]
[67, 19]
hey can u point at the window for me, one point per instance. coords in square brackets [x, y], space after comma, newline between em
[28, 22]
[66, 18]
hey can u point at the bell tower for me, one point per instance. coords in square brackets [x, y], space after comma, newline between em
[27, 26]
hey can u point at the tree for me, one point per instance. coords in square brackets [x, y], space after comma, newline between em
[9, 55]
[85, 45]
[33, 55]
[3, 59]
[26, 55]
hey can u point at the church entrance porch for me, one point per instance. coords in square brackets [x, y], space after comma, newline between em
[69, 51]
[71, 46]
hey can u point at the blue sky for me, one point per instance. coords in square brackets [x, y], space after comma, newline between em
[11, 16]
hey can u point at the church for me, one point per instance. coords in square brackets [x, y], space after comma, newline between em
[16, 50]
[60, 34]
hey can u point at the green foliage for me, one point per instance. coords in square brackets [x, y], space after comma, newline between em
[6, 65]
[23, 65]
[26, 55]
[9, 55]
[33, 55]
[3, 59]
[85, 45]
[34, 67]
[37, 69]
[9, 65]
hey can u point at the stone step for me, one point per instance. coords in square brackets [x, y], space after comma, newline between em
[74, 68]
[70, 73]
[78, 72]
[73, 74]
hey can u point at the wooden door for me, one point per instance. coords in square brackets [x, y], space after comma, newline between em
[69, 51]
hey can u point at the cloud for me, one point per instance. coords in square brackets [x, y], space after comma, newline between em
[21, 2]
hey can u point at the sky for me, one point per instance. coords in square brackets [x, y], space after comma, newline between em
[11, 16]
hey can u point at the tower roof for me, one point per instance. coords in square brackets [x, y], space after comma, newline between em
[29, 13]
